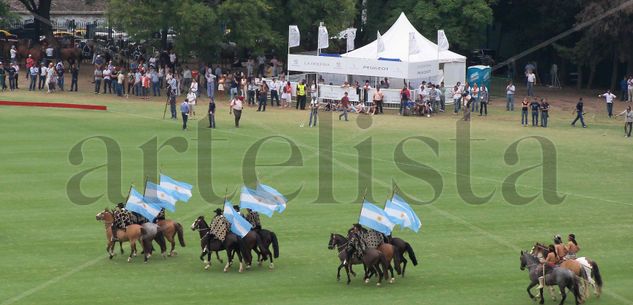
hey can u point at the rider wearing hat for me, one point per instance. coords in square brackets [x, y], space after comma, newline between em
[219, 225]
[253, 218]
[121, 219]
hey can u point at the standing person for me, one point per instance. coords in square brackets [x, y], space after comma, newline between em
[12, 72]
[301, 95]
[145, 81]
[474, 94]
[286, 96]
[33, 72]
[524, 111]
[211, 113]
[438, 99]
[14, 55]
[609, 97]
[535, 107]
[107, 80]
[262, 97]
[467, 100]
[120, 81]
[483, 100]
[544, 112]
[98, 77]
[378, 100]
[628, 121]
[366, 88]
[531, 80]
[405, 96]
[184, 112]
[442, 96]
[155, 82]
[314, 111]
[60, 75]
[130, 82]
[138, 86]
[261, 62]
[43, 72]
[234, 85]
[193, 88]
[250, 92]
[457, 96]
[579, 114]
[274, 92]
[629, 84]
[29, 63]
[623, 89]
[314, 96]
[172, 103]
[3, 85]
[345, 105]
[210, 83]
[74, 77]
[510, 89]
[236, 106]
[172, 60]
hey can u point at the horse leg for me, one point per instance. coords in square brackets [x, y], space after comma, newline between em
[217, 255]
[272, 262]
[338, 272]
[529, 289]
[347, 270]
[132, 250]
[404, 265]
[563, 294]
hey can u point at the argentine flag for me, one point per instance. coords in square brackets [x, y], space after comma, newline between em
[239, 225]
[274, 196]
[374, 217]
[180, 190]
[160, 196]
[136, 203]
[257, 201]
[402, 214]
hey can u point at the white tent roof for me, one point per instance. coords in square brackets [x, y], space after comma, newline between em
[396, 42]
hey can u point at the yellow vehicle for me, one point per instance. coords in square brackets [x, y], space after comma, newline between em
[7, 36]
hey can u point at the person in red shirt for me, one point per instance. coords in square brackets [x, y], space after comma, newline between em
[29, 63]
[145, 80]
[405, 96]
[345, 104]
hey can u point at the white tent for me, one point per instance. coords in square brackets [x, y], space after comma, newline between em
[396, 43]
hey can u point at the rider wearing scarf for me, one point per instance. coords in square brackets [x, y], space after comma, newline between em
[219, 225]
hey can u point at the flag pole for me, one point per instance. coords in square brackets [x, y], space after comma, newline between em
[145, 185]
[361, 204]
[129, 192]
[226, 191]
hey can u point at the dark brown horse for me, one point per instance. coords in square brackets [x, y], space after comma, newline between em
[403, 247]
[268, 238]
[170, 228]
[374, 261]
[209, 244]
[72, 55]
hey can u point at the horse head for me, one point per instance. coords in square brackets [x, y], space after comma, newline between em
[104, 215]
[523, 260]
[528, 260]
[198, 224]
[330, 244]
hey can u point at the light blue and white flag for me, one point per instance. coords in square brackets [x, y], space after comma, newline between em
[374, 217]
[160, 196]
[402, 214]
[180, 190]
[257, 201]
[274, 196]
[239, 225]
[136, 203]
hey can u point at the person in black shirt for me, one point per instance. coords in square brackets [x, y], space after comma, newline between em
[579, 114]
[211, 113]
[12, 81]
[544, 112]
[74, 72]
[535, 107]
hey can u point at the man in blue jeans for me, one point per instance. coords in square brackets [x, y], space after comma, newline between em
[345, 105]
[33, 72]
[535, 107]
[579, 114]
[544, 112]
[184, 110]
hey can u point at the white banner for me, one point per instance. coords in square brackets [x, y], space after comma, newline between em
[324, 39]
[333, 92]
[360, 66]
[350, 36]
[442, 41]
[294, 36]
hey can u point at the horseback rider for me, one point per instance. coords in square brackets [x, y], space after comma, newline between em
[571, 247]
[219, 226]
[253, 217]
[548, 263]
[561, 252]
[160, 216]
[356, 244]
[121, 219]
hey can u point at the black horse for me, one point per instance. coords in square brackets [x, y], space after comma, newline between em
[209, 243]
[402, 247]
[339, 242]
[561, 277]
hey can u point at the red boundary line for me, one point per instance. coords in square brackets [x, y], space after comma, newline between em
[54, 105]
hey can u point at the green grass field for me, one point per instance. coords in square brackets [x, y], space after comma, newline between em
[53, 250]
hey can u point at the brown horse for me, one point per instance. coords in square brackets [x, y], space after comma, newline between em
[391, 254]
[26, 47]
[72, 55]
[340, 243]
[132, 233]
[170, 228]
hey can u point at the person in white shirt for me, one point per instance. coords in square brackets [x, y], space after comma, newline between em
[609, 97]
[14, 55]
[531, 80]
[49, 54]
[236, 109]
[628, 121]
[274, 92]
[630, 87]
[107, 80]
[210, 83]
[510, 89]
[33, 72]
[43, 72]
[457, 96]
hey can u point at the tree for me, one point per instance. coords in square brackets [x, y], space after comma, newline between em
[6, 17]
[41, 10]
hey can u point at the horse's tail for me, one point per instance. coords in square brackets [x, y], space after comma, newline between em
[273, 237]
[411, 254]
[595, 273]
[160, 239]
[181, 238]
